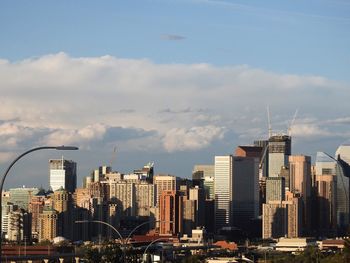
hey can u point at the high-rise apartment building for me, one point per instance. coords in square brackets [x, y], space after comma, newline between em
[279, 151]
[63, 204]
[36, 207]
[275, 189]
[19, 226]
[165, 182]
[48, 224]
[282, 218]
[63, 174]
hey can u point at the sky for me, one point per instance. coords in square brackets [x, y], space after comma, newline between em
[171, 81]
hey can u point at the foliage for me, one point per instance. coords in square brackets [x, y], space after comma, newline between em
[192, 259]
[108, 252]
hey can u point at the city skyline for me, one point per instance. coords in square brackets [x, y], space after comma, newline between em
[174, 82]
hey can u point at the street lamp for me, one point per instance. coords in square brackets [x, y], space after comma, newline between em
[60, 148]
[158, 239]
[109, 225]
[142, 224]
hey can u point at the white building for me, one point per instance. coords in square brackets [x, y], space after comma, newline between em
[63, 174]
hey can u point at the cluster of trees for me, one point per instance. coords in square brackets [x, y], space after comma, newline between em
[311, 255]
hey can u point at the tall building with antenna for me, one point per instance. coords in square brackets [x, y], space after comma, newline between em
[63, 174]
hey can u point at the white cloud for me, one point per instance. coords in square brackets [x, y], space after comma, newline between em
[195, 138]
[92, 101]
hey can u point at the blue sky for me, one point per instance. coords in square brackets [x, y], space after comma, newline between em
[174, 82]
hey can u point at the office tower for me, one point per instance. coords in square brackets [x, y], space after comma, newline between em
[208, 186]
[279, 151]
[223, 191]
[63, 204]
[63, 174]
[164, 182]
[22, 196]
[300, 183]
[325, 177]
[282, 218]
[245, 193]
[264, 158]
[200, 171]
[197, 195]
[249, 151]
[343, 182]
[236, 191]
[275, 189]
[209, 219]
[48, 224]
[170, 213]
[19, 226]
[189, 215]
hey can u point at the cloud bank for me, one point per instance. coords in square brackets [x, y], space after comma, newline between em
[96, 102]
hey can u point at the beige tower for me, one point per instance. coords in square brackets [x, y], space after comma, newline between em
[62, 203]
[300, 183]
[48, 224]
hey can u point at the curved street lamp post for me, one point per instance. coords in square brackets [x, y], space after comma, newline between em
[122, 240]
[60, 148]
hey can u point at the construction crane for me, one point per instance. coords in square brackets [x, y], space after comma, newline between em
[114, 154]
[289, 131]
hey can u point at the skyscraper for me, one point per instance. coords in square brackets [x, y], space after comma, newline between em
[275, 189]
[63, 174]
[223, 191]
[325, 178]
[300, 183]
[236, 191]
[170, 213]
[279, 151]
[342, 188]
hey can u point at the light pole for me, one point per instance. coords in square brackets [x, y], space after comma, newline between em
[61, 148]
[158, 239]
[109, 225]
[142, 224]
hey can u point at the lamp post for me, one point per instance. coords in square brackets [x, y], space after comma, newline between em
[158, 239]
[142, 224]
[109, 225]
[60, 148]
